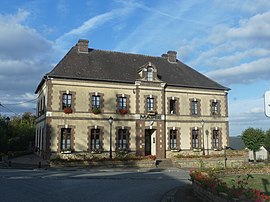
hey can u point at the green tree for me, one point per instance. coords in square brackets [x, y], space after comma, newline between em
[267, 139]
[253, 139]
[18, 134]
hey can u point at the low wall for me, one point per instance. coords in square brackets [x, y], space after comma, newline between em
[105, 164]
[208, 196]
[212, 162]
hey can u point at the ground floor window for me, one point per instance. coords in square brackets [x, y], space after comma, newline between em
[122, 142]
[195, 138]
[173, 139]
[65, 138]
[95, 139]
[215, 139]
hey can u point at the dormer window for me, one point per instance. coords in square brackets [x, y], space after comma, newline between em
[149, 74]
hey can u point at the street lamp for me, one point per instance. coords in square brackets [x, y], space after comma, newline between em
[207, 133]
[7, 120]
[110, 122]
[202, 123]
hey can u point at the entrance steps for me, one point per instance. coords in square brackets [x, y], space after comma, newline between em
[164, 163]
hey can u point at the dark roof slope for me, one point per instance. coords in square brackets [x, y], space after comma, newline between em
[122, 67]
[236, 143]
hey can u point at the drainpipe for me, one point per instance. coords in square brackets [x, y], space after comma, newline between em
[164, 114]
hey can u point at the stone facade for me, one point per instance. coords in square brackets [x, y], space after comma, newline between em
[147, 124]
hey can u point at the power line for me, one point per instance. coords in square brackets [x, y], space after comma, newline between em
[1, 105]
[20, 103]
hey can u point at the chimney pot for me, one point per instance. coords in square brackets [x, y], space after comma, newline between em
[164, 55]
[82, 46]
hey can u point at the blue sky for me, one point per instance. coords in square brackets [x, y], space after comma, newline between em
[229, 41]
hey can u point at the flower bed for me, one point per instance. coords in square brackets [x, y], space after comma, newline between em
[123, 111]
[210, 188]
[68, 110]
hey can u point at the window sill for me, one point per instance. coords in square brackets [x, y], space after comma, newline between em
[66, 152]
[197, 150]
[96, 152]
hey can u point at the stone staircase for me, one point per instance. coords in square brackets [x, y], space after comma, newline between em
[164, 163]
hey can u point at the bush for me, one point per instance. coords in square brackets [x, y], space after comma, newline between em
[210, 182]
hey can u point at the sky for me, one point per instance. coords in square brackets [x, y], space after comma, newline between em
[228, 41]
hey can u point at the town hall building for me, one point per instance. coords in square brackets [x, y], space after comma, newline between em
[105, 101]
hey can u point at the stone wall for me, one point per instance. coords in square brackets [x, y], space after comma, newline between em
[212, 162]
[208, 196]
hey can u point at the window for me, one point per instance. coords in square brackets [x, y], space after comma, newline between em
[65, 138]
[194, 107]
[214, 108]
[173, 139]
[122, 103]
[66, 101]
[149, 74]
[215, 138]
[150, 104]
[122, 142]
[95, 102]
[195, 138]
[43, 105]
[172, 106]
[95, 139]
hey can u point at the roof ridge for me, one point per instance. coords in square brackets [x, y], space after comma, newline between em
[110, 51]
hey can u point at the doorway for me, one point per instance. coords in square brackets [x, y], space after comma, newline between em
[150, 142]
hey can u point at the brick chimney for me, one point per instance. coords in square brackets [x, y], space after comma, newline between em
[172, 56]
[82, 46]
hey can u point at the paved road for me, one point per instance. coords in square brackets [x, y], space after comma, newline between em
[89, 185]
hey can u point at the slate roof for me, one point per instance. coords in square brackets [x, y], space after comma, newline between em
[236, 143]
[122, 67]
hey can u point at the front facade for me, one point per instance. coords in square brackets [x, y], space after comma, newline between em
[158, 105]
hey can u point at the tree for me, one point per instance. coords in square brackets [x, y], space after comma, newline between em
[18, 134]
[267, 139]
[253, 139]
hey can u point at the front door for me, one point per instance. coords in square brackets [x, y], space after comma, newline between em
[150, 142]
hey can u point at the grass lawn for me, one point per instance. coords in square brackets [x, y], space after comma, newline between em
[259, 181]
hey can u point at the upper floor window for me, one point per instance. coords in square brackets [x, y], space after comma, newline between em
[43, 105]
[122, 103]
[215, 139]
[173, 139]
[95, 139]
[195, 138]
[172, 106]
[65, 138]
[149, 74]
[95, 102]
[150, 104]
[122, 139]
[194, 107]
[214, 108]
[66, 101]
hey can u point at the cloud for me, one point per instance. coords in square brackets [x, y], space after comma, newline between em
[162, 27]
[24, 57]
[247, 113]
[244, 73]
[256, 29]
[89, 25]
[18, 41]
